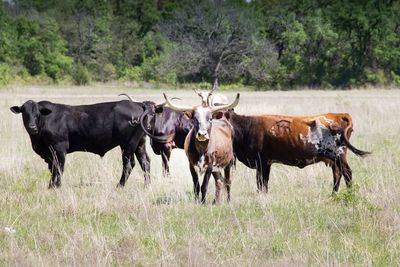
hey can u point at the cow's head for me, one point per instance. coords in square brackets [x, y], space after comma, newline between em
[32, 115]
[147, 119]
[202, 116]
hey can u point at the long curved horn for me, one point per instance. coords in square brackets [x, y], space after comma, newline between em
[176, 107]
[160, 139]
[160, 104]
[130, 98]
[222, 107]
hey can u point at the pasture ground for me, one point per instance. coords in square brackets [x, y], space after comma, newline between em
[89, 222]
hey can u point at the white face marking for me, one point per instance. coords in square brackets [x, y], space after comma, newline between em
[203, 117]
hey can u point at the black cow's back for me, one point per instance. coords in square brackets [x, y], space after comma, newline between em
[95, 128]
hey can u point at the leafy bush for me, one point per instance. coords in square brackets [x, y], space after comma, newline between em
[376, 77]
[395, 78]
[80, 74]
[5, 75]
[41, 47]
[132, 74]
[109, 72]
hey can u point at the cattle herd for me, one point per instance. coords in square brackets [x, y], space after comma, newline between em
[212, 134]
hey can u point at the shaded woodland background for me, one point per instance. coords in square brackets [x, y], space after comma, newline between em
[262, 43]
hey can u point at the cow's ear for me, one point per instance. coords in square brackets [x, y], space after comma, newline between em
[45, 111]
[189, 114]
[15, 109]
[218, 115]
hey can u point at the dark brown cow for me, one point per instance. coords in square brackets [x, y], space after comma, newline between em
[163, 121]
[208, 146]
[260, 141]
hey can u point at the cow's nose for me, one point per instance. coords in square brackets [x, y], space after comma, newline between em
[32, 127]
[202, 136]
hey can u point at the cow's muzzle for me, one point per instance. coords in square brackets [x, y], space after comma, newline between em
[33, 129]
[200, 136]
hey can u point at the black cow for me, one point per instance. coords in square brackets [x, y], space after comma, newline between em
[56, 130]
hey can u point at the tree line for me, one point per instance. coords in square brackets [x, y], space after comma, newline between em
[260, 43]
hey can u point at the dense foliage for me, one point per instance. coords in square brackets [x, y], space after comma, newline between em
[265, 43]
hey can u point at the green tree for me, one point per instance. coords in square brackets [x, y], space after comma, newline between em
[41, 48]
[216, 37]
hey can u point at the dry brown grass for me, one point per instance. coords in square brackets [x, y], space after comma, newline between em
[91, 222]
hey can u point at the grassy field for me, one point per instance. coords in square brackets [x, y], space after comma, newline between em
[90, 222]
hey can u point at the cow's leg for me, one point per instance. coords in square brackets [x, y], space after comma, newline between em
[263, 170]
[259, 177]
[165, 155]
[204, 185]
[128, 162]
[228, 182]
[144, 161]
[218, 187]
[337, 174]
[265, 174]
[56, 167]
[196, 185]
[346, 170]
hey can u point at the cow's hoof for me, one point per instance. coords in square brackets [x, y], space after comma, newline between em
[119, 185]
[262, 191]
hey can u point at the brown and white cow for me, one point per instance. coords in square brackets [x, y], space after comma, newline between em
[208, 147]
[260, 141]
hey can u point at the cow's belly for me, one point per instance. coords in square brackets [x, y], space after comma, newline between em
[298, 162]
[99, 148]
[247, 159]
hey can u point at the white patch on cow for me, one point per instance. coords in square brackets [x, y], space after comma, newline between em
[316, 135]
[303, 138]
[201, 164]
[323, 141]
[217, 169]
[272, 130]
[328, 120]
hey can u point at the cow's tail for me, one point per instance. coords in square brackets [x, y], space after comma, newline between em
[345, 137]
